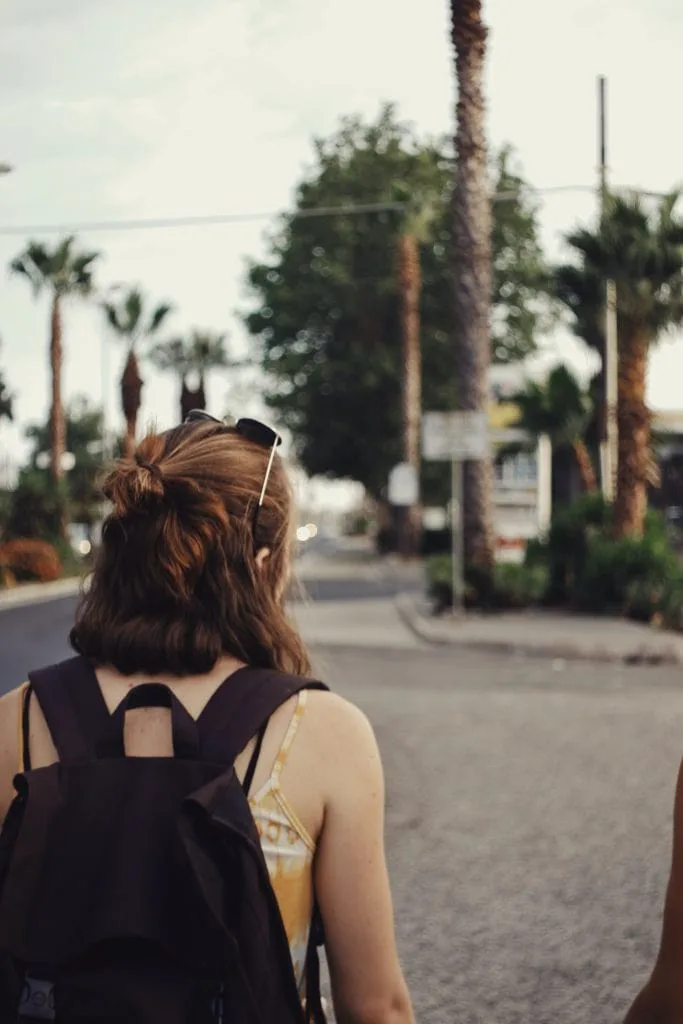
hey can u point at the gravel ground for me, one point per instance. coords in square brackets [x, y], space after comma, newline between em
[529, 821]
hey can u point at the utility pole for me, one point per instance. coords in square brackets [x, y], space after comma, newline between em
[609, 433]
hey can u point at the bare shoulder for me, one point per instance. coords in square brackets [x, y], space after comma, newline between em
[340, 732]
[10, 711]
[329, 709]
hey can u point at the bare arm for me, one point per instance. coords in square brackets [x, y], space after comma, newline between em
[661, 1001]
[352, 882]
[10, 710]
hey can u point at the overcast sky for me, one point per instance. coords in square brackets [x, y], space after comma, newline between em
[168, 108]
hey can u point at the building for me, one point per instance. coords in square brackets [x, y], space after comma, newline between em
[521, 481]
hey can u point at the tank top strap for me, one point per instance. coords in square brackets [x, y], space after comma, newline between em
[283, 754]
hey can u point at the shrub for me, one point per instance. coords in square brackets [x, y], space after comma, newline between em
[670, 609]
[520, 586]
[625, 576]
[567, 546]
[439, 574]
[30, 560]
[510, 586]
[583, 567]
[38, 507]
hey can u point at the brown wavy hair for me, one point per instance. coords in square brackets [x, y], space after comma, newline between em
[176, 584]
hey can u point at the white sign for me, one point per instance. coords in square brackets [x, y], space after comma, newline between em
[455, 435]
[403, 485]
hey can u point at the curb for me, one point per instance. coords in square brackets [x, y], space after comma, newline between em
[428, 631]
[39, 593]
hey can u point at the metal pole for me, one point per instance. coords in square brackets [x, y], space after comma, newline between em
[602, 129]
[609, 440]
[457, 556]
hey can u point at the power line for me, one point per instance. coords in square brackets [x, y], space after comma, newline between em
[217, 219]
[207, 220]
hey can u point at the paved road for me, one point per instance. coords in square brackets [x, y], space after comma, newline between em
[528, 819]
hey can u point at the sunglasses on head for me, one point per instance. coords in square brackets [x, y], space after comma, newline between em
[251, 430]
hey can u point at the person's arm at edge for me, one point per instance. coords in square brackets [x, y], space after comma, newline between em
[661, 1001]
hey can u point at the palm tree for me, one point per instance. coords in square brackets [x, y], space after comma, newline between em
[409, 288]
[131, 320]
[472, 263]
[63, 271]
[197, 355]
[640, 247]
[562, 410]
[416, 229]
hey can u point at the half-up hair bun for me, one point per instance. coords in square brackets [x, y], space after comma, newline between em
[138, 483]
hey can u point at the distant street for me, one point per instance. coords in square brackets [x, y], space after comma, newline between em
[529, 807]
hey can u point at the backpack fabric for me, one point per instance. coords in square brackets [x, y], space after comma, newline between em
[135, 889]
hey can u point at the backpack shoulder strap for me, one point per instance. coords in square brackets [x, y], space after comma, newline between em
[74, 708]
[242, 706]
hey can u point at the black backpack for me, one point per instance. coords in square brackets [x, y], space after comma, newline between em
[134, 890]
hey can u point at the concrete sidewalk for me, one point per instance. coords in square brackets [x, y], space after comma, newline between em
[362, 623]
[545, 635]
[37, 593]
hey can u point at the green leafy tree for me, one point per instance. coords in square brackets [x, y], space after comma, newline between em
[196, 356]
[84, 442]
[39, 506]
[62, 272]
[522, 310]
[639, 245]
[327, 308]
[134, 323]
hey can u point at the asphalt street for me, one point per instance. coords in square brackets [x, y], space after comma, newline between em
[528, 822]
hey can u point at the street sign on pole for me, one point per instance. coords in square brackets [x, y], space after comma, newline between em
[455, 435]
[403, 488]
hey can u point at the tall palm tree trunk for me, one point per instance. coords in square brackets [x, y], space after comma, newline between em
[57, 421]
[633, 419]
[472, 269]
[191, 399]
[410, 287]
[131, 400]
[200, 393]
[584, 462]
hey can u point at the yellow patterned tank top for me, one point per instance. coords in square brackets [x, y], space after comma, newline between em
[289, 851]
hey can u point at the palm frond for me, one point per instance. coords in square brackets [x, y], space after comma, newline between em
[132, 307]
[82, 272]
[35, 264]
[638, 244]
[158, 318]
[21, 267]
[62, 255]
[208, 351]
[172, 355]
[113, 318]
